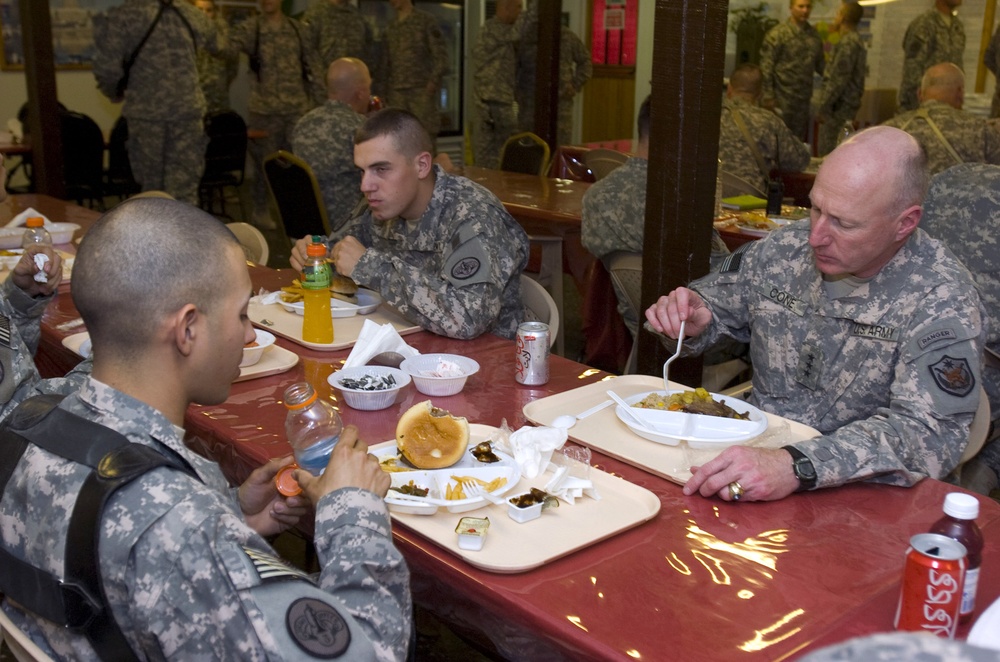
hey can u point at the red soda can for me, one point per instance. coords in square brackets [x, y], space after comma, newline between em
[931, 596]
[375, 104]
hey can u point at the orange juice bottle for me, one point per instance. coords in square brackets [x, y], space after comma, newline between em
[317, 323]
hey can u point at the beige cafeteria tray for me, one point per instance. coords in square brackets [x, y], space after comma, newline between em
[280, 322]
[511, 547]
[604, 432]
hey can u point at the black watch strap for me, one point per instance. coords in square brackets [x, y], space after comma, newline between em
[803, 468]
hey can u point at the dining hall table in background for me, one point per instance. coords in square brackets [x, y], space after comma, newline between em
[703, 579]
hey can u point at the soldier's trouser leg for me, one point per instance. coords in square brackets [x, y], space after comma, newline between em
[184, 159]
[565, 132]
[279, 136]
[496, 122]
[795, 113]
[145, 147]
[424, 106]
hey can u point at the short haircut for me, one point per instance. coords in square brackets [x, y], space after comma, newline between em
[143, 260]
[852, 13]
[408, 134]
[747, 79]
[643, 120]
[942, 76]
[914, 178]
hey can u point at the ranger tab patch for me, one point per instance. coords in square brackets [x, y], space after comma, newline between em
[953, 376]
[317, 628]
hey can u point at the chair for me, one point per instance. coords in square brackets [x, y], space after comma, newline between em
[118, 178]
[525, 152]
[550, 274]
[225, 158]
[83, 158]
[541, 305]
[296, 195]
[733, 186]
[603, 161]
[20, 644]
[626, 278]
[253, 242]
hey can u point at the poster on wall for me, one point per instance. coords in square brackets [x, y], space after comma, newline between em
[72, 32]
[613, 37]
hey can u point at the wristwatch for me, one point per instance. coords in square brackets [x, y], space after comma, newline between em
[803, 468]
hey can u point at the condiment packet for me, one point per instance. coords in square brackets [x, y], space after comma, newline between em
[571, 475]
[444, 368]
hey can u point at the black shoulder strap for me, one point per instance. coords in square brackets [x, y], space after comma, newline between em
[130, 62]
[76, 601]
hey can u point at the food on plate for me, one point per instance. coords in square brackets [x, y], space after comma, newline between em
[726, 220]
[252, 343]
[369, 382]
[698, 401]
[431, 438]
[530, 498]
[391, 464]
[411, 489]
[454, 493]
[341, 287]
[756, 220]
[444, 368]
[483, 452]
[458, 492]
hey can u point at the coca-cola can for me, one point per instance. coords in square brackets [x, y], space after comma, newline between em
[532, 354]
[931, 596]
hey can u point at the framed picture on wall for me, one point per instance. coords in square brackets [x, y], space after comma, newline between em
[72, 32]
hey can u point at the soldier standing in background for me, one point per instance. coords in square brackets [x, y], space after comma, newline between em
[215, 72]
[844, 78]
[575, 70]
[284, 86]
[791, 52]
[337, 29]
[416, 61]
[494, 63]
[166, 145]
[992, 61]
[934, 37]
[527, 59]
[324, 138]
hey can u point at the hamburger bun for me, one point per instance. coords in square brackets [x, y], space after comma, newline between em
[343, 288]
[431, 438]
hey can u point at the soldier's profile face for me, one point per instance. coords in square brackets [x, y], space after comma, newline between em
[389, 179]
[800, 9]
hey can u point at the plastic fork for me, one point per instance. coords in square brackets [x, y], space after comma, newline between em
[475, 490]
[666, 366]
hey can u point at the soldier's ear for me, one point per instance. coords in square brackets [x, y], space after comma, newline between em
[424, 162]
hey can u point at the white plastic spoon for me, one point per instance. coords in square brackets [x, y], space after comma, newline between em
[566, 421]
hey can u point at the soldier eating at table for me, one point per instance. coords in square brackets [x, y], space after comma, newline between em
[439, 248]
[860, 325]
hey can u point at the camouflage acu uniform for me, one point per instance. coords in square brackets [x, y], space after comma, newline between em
[527, 58]
[614, 219]
[338, 31]
[494, 65]
[416, 57]
[456, 271]
[288, 85]
[788, 57]
[215, 74]
[166, 144]
[575, 70]
[324, 138]
[777, 145]
[972, 138]
[902, 646]
[843, 87]
[992, 61]
[181, 569]
[930, 39]
[888, 373]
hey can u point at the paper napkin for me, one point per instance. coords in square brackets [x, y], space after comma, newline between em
[376, 339]
[23, 217]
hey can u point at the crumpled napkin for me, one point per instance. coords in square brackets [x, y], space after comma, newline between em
[22, 218]
[375, 339]
[264, 298]
[532, 447]
[571, 475]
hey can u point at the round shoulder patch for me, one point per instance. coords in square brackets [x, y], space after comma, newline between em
[465, 268]
[317, 628]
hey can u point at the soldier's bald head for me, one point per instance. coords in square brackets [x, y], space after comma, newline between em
[745, 82]
[408, 135]
[886, 157]
[943, 82]
[348, 81]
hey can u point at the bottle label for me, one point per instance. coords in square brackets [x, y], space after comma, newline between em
[969, 591]
[316, 276]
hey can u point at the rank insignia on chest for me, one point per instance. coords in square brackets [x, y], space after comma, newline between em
[953, 376]
[810, 367]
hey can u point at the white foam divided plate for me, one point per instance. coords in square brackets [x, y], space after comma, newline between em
[368, 301]
[62, 233]
[985, 631]
[699, 431]
[437, 479]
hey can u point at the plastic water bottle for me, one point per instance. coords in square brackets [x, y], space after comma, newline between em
[35, 233]
[317, 322]
[959, 522]
[312, 426]
[845, 132]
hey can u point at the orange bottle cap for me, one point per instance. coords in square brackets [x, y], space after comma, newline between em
[35, 222]
[316, 250]
[286, 483]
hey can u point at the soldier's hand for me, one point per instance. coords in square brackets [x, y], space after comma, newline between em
[298, 257]
[265, 510]
[765, 474]
[350, 465]
[682, 304]
[24, 271]
[345, 255]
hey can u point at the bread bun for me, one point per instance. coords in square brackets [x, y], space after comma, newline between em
[431, 438]
[343, 288]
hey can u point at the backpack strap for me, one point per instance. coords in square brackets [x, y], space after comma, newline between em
[76, 601]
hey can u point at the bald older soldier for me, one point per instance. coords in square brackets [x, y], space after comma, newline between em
[440, 249]
[843, 79]
[754, 141]
[934, 37]
[185, 570]
[948, 134]
[860, 325]
[324, 138]
[791, 52]
[494, 65]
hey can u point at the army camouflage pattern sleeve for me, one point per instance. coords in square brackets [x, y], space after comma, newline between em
[844, 78]
[929, 40]
[614, 210]
[897, 646]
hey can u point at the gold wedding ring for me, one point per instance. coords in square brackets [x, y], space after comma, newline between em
[735, 491]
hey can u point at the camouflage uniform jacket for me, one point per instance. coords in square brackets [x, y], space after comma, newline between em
[324, 138]
[929, 40]
[844, 79]
[575, 68]
[889, 374]
[216, 73]
[614, 210]
[455, 272]
[777, 145]
[895, 646]
[338, 31]
[180, 566]
[973, 138]
[992, 61]
[788, 58]
[168, 54]
[416, 54]
[494, 62]
[291, 79]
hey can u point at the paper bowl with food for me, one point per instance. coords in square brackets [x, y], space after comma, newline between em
[702, 419]
[369, 387]
[254, 350]
[439, 374]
